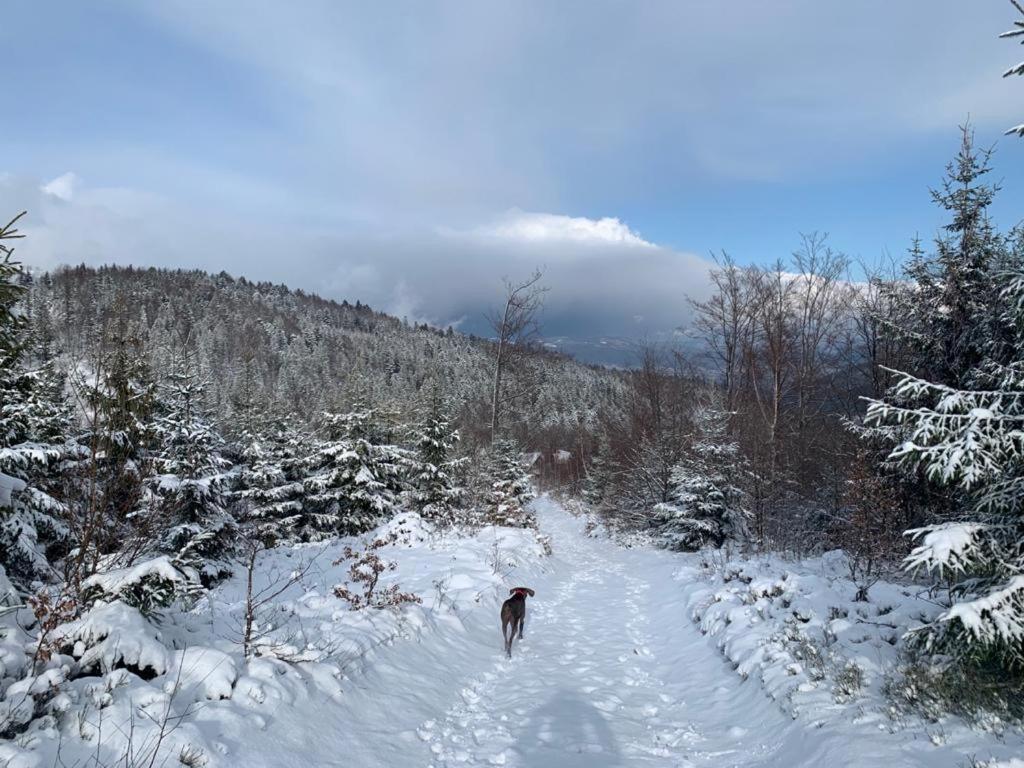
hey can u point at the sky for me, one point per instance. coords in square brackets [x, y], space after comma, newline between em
[412, 154]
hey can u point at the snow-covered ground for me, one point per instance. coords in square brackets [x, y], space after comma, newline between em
[614, 671]
[833, 662]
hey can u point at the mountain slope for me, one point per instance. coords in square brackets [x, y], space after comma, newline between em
[296, 352]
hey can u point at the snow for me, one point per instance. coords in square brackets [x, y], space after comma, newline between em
[797, 631]
[114, 582]
[631, 657]
[9, 486]
[113, 634]
[945, 547]
[987, 617]
[201, 673]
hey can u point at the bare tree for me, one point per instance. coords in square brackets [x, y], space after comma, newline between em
[772, 360]
[516, 329]
[1017, 69]
[822, 299]
[253, 541]
[725, 322]
[870, 343]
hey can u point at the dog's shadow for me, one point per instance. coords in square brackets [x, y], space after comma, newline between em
[568, 731]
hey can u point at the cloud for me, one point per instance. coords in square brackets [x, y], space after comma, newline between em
[601, 274]
[520, 226]
[554, 106]
[62, 187]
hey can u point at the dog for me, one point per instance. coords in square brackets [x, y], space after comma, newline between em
[513, 614]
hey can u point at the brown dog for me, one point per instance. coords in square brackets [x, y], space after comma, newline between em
[513, 612]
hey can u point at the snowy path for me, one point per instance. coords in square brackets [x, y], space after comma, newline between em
[611, 673]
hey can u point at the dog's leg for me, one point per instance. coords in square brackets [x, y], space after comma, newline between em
[522, 622]
[506, 639]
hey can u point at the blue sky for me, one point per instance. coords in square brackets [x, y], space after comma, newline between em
[410, 154]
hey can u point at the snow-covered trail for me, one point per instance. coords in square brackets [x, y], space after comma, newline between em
[611, 673]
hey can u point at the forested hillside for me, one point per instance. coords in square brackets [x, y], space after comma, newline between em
[266, 346]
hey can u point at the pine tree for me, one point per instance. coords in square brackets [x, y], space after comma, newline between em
[597, 482]
[269, 482]
[708, 504]
[960, 279]
[352, 481]
[189, 484]
[958, 425]
[34, 420]
[509, 488]
[437, 492]
[110, 503]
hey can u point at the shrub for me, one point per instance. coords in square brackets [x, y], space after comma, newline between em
[365, 569]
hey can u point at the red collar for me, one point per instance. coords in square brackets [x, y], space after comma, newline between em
[520, 592]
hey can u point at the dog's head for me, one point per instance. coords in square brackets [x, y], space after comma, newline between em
[521, 592]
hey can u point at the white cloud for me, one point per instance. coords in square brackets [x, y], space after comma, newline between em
[525, 227]
[63, 187]
[600, 272]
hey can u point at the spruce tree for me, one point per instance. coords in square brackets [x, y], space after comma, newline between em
[956, 422]
[950, 320]
[437, 491]
[509, 487]
[111, 505]
[597, 482]
[189, 484]
[708, 504]
[352, 481]
[270, 479]
[34, 421]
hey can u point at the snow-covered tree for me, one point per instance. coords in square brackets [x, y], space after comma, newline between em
[708, 504]
[959, 426]
[598, 476]
[508, 486]
[970, 441]
[437, 490]
[352, 482]
[197, 529]
[269, 484]
[961, 276]
[34, 419]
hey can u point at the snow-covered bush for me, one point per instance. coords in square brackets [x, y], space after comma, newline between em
[148, 586]
[112, 635]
